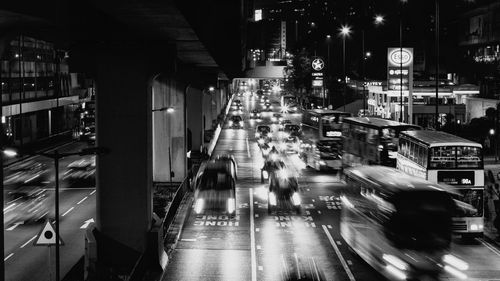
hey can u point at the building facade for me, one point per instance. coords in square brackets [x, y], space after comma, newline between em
[39, 97]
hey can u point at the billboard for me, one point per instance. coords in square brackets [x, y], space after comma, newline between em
[400, 77]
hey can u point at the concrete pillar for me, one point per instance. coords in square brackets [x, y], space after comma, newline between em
[194, 101]
[169, 130]
[124, 175]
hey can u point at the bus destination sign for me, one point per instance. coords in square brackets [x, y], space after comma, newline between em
[456, 177]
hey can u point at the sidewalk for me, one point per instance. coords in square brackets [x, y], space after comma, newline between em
[490, 232]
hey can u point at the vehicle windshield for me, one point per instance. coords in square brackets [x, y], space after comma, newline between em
[264, 129]
[236, 118]
[448, 157]
[290, 128]
[422, 220]
[215, 180]
[474, 201]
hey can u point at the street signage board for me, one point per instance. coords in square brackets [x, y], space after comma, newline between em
[47, 236]
[399, 68]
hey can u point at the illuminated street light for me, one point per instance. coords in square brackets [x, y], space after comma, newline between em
[211, 89]
[10, 152]
[345, 30]
[368, 54]
[379, 19]
[492, 132]
[170, 110]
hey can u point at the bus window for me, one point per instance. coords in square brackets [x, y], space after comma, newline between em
[443, 157]
[469, 157]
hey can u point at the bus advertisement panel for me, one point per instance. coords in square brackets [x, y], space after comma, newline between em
[440, 157]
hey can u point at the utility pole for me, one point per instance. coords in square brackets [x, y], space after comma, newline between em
[437, 65]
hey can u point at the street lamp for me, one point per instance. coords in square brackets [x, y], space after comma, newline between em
[345, 30]
[328, 42]
[379, 19]
[56, 156]
[401, 2]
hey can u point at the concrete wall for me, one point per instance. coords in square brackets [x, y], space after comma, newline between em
[194, 101]
[169, 130]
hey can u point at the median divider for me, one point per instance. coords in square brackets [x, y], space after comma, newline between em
[213, 142]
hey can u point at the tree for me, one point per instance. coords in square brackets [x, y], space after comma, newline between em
[298, 73]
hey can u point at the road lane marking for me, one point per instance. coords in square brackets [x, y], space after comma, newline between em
[337, 251]
[257, 229]
[87, 223]
[248, 148]
[258, 247]
[349, 262]
[298, 266]
[84, 198]
[8, 257]
[14, 226]
[329, 226]
[319, 212]
[313, 200]
[188, 240]
[32, 238]
[256, 215]
[252, 237]
[261, 267]
[92, 192]
[70, 209]
[339, 243]
[489, 246]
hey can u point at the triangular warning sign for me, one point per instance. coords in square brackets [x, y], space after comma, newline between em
[47, 236]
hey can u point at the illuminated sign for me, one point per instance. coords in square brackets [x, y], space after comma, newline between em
[372, 102]
[258, 15]
[399, 56]
[317, 83]
[456, 177]
[333, 133]
[317, 74]
[399, 68]
[314, 119]
[318, 64]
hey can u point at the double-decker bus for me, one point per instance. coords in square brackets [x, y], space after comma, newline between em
[399, 224]
[289, 103]
[321, 138]
[440, 157]
[371, 141]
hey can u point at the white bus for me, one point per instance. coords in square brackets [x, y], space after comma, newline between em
[371, 141]
[321, 138]
[440, 157]
[399, 224]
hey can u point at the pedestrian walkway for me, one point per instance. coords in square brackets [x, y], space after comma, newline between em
[494, 166]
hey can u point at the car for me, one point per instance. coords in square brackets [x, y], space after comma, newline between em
[271, 164]
[283, 123]
[237, 102]
[88, 134]
[289, 145]
[283, 192]
[80, 172]
[276, 118]
[228, 161]
[262, 131]
[291, 130]
[30, 204]
[29, 172]
[267, 106]
[215, 190]
[235, 122]
[255, 114]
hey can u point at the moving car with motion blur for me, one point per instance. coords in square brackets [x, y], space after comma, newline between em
[29, 172]
[215, 189]
[235, 122]
[399, 224]
[290, 144]
[255, 114]
[283, 192]
[271, 164]
[263, 134]
[80, 173]
[27, 204]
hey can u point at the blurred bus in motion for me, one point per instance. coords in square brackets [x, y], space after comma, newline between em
[440, 157]
[371, 141]
[399, 224]
[27, 204]
[322, 138]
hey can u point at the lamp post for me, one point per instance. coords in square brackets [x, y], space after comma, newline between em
[345, 30]
[401, 60]
[437, 64]
[56, 156]
[328, 42]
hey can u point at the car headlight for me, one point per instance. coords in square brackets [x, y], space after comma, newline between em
[455, 262]
[274, 157]
[395, 261]
[272, 199]
[322, 163]
[198, 207]
[230, 205]
[265, 175]
[296, 199]
[230, 123]
[257, 135]
[273, 119]
[260, 141]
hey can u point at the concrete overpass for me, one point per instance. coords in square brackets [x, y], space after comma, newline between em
[153, 63]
